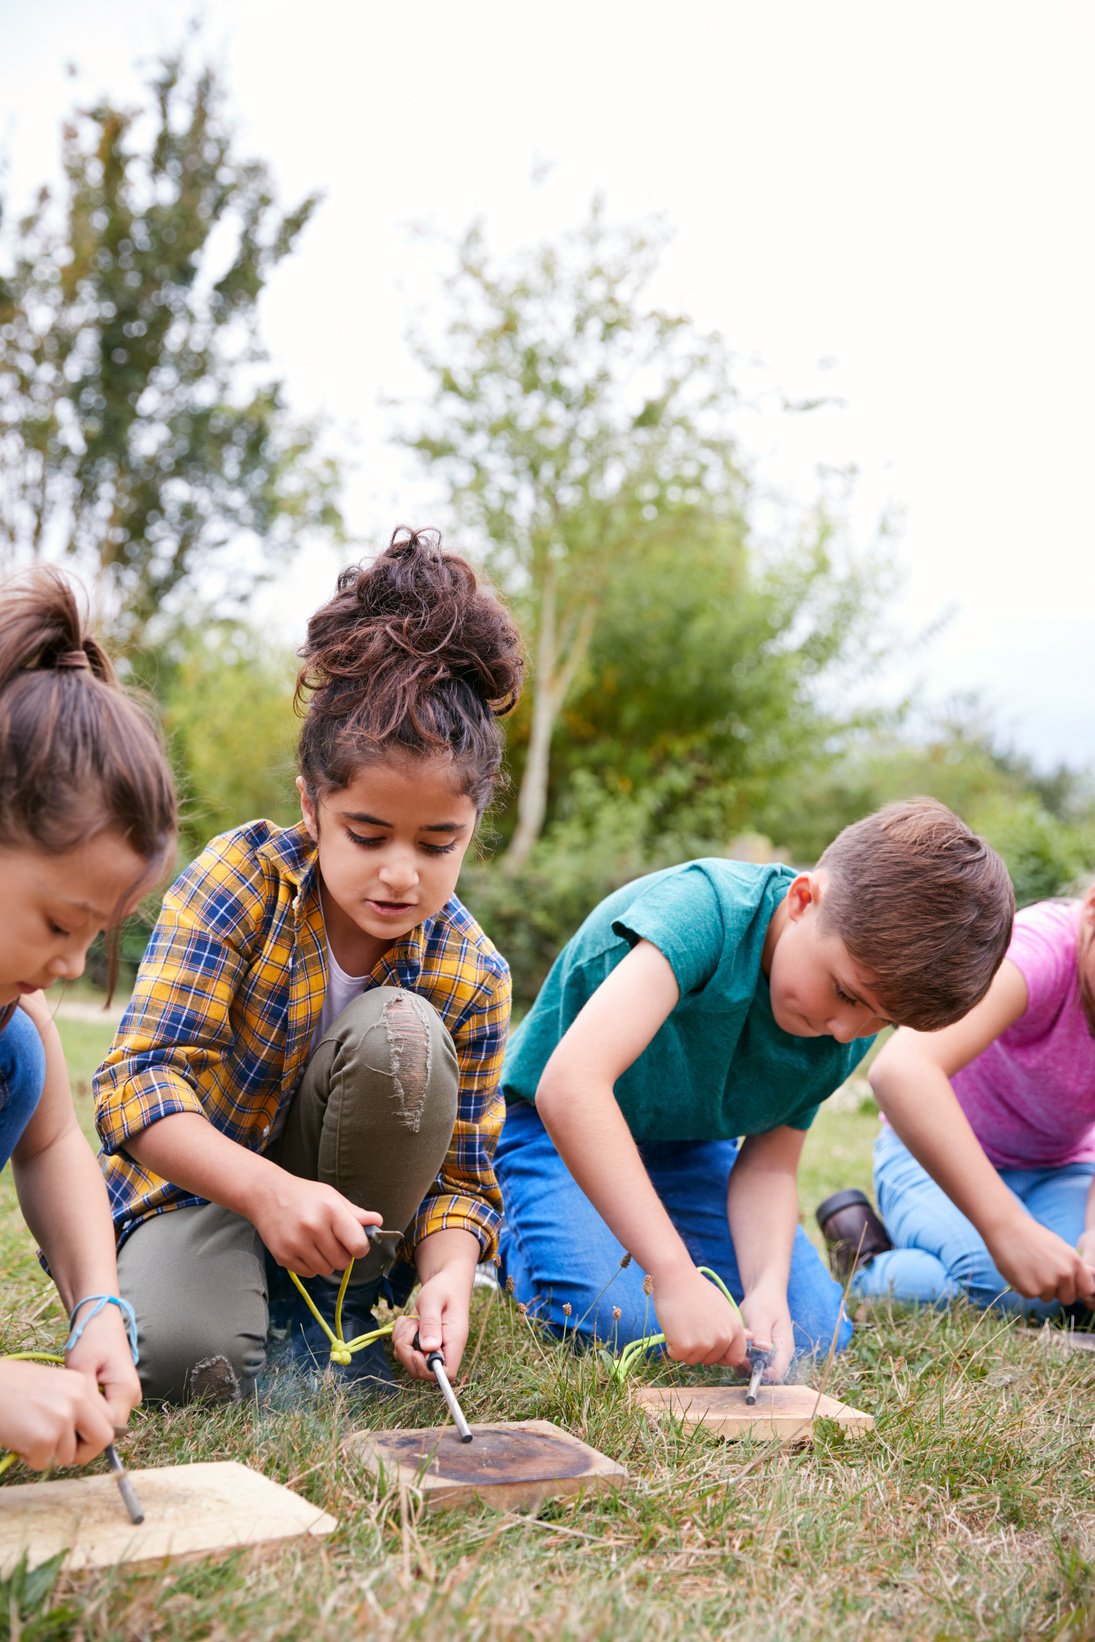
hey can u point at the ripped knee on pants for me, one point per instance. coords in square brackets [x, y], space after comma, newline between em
[212, 1380]
[410, 1050]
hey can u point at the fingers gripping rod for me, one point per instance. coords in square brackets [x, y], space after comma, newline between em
[436, 1362]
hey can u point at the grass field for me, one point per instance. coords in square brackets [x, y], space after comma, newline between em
[968, 1513]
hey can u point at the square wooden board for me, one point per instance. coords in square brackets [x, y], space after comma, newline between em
[1069, 1339]
[784, 1411]
[510, 1464]
[188, 1509]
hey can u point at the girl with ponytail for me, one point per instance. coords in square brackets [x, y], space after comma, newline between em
[314, 1044]
[87, 825]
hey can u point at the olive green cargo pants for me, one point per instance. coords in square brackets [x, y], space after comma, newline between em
[373, 1117]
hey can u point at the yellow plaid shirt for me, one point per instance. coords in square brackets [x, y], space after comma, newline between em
[227, 1001]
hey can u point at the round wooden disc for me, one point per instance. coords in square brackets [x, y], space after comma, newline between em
[493, 1455]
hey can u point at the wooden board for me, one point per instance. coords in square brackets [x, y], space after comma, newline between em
[511, 1464]
[784, 1411]
[188, 1509]
[1071, 1339]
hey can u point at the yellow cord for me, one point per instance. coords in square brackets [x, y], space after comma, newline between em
[341, 1350]
[620, 1367]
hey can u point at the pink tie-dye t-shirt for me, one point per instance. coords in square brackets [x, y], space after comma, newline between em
[1030, 1096]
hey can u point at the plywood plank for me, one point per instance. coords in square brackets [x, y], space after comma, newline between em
[784, 1411]
[512, 1464]
[1069, 1339]
[188, 1509]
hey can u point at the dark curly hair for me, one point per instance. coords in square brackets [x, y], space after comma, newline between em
[411, 656]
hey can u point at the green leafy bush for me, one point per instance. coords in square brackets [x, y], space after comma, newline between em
[1045, 855]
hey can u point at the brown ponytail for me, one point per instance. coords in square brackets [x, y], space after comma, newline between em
[78, 755]
[411, 656]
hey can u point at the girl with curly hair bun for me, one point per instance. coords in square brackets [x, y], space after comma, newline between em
[314, 1044]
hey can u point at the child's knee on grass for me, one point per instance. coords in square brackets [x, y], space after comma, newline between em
[196, 1278]
[192, 1365]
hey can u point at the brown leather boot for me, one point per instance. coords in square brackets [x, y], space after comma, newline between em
[852, 1230]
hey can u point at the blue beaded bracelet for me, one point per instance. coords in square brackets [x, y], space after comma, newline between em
[98, 1301]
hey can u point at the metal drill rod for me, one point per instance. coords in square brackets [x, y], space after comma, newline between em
[760, 1361]
[125, 1487]
[436, 1361]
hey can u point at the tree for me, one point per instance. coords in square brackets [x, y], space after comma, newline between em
[585, 434]
[709, 678]
[138, 435]
[572, 422]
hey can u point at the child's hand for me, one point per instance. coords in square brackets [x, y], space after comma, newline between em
[52, 1416]
[442, 1325]
[769, 1323]
[102, 1354]
[1039, 1264]
[310, 1227]
[698, 1325]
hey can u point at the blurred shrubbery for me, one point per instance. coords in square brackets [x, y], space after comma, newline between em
[1046, 855]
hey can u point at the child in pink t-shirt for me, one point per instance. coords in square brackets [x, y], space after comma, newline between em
[1002, 1107]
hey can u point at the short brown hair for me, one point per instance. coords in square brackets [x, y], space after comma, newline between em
[923, 904]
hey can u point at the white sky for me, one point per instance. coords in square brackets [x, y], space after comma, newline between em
[901, 189]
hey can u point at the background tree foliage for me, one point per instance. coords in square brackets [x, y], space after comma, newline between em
[573, 424]
[709, 682]
[701, 667]
[226, 700]
[137, 434]
[585, 436]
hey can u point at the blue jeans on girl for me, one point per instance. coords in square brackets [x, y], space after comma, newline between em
[938, 1255]
[22, 1075]
[559, 1253]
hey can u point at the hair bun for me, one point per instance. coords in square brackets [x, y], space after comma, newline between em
[415, 614]
[411, 650]
[430, 607]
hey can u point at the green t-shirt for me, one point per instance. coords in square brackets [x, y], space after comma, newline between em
[719, 1067]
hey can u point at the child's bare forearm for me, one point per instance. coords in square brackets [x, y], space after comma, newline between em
[919, 1102]
[1086, 1245]
[452, 1249]
[762, 1209]
[186, 1149]
[594, 1141]
[64, 1202]
[305, 1224]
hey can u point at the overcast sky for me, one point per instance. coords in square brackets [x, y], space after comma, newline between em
[889, 202]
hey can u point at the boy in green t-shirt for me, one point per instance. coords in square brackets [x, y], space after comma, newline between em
[710, 1002]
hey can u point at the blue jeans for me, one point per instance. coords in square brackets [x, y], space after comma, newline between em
[938, 1254]
[558, 1252]
[22, 1075]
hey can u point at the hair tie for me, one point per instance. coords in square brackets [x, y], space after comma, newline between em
[73, 658]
